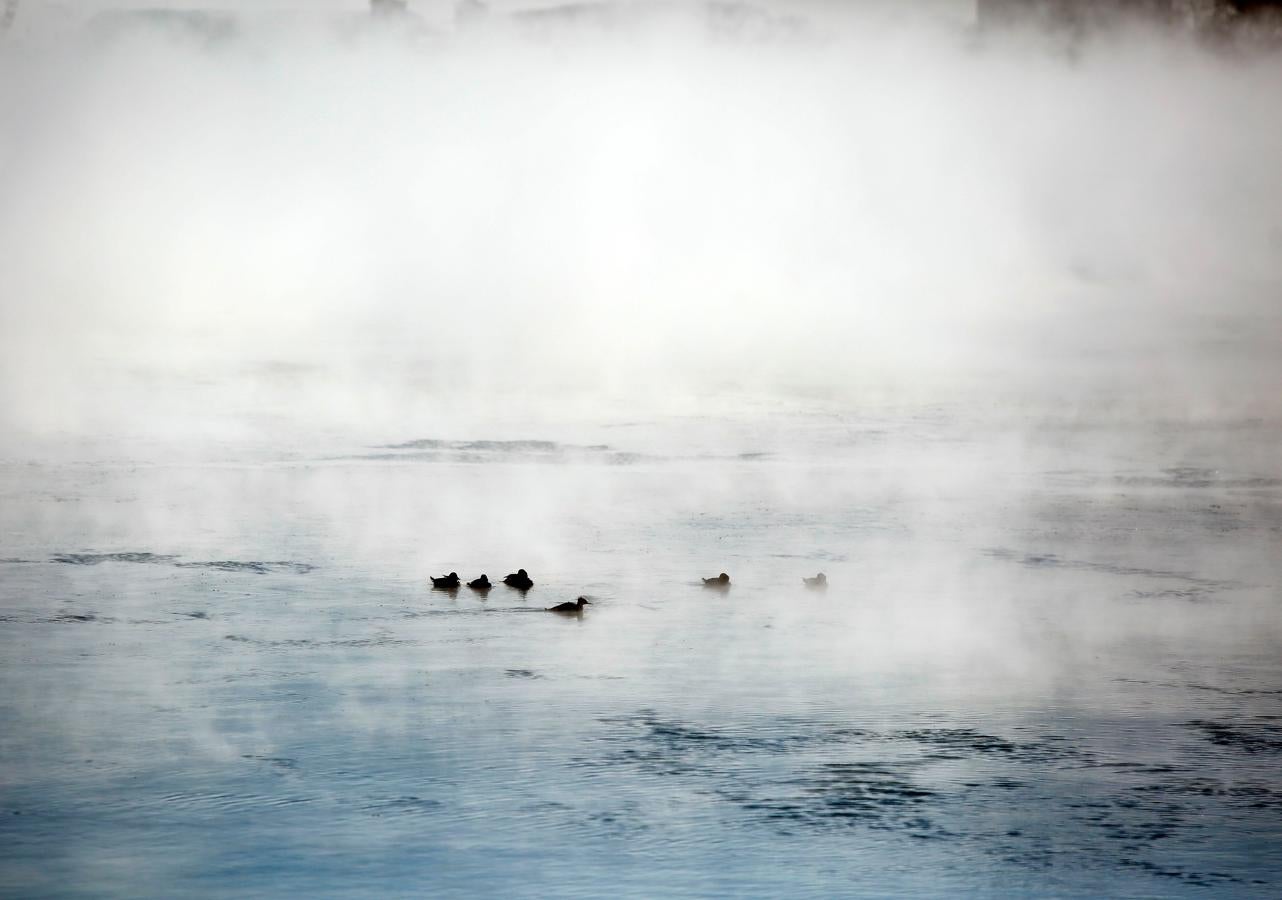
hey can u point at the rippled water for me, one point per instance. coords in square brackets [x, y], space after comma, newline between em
[1048, 664]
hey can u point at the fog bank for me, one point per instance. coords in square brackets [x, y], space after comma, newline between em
[311, 221]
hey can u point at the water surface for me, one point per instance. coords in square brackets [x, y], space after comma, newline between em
[1029, 676]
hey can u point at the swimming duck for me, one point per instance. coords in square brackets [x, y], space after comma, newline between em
[721, 581]
[446, 583]
[574, 608]
[520, 581]
[819, 581]
[480, 584]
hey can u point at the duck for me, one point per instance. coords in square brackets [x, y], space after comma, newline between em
[446, 582]
[721, 581]
[574, 608]
[819, 582]
[480, 584]
[520, 580]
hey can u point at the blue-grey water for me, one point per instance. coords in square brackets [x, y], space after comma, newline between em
[1029, 676]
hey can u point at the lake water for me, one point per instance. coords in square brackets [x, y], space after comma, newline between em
[229, 674]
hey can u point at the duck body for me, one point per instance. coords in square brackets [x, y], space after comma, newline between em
[519, 580]
[480, 584]
[721, 582]
[448, 582]
[819, 582]
[573, 608]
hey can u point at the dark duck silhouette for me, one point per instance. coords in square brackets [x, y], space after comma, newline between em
[481, 584]
[446, 582]
[819, 582]
[721, 582]
[519, 580]
[573, 608]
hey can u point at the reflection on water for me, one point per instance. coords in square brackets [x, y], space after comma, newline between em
[1040, 680]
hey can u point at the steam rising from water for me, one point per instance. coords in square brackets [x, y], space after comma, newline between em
[342, 226]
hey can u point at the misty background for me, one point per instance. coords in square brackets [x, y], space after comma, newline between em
[379, 228]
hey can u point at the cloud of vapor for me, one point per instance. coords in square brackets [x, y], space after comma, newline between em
[313, 220]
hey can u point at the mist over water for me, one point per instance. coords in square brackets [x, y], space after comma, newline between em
[371, 227]
[297, 313]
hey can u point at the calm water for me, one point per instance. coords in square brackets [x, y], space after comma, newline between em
[1048, 663]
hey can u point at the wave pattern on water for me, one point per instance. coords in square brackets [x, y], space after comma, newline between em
[93, 559]
[383, 640]
[79, 618]
[1197, 477]
[257, 567]
[1198, 588]
[231, 802]
[1209, 688]
[403, 806]
[1247, 737]
[480, 451]
[254, 566]
[983, 792]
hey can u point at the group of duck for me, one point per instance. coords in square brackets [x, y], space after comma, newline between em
[521, 581]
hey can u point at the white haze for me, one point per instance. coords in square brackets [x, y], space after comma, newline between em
[365, 230]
